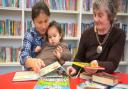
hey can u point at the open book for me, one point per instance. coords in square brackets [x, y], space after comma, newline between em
[31, 75]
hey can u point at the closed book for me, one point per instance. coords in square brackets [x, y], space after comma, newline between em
[91, 85]
[120, 86]
[86, 76]
[105, 78]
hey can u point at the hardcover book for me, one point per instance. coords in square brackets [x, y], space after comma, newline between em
[105, 78]
[86, 76]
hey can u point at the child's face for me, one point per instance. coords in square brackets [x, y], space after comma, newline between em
[53, 35]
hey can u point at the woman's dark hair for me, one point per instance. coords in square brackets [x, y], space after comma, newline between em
[38, 8]
[56, 25]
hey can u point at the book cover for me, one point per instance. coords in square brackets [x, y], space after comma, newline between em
[53, 83]
[91, 85]
[105, 78]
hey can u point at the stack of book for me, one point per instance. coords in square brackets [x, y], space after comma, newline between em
[105, 78]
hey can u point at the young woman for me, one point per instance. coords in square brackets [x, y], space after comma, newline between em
[35, 37]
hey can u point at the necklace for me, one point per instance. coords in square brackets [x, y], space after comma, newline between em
[99, 47]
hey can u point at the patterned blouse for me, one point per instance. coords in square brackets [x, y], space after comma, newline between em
[32, 39]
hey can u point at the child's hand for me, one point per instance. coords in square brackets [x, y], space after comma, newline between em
[37, 49]
[58, 52]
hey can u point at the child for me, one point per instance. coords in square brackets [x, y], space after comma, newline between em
[54, 49]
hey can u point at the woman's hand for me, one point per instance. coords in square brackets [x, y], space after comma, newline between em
[93, 63]
[35, 64]
[71, 70]
[58, 52]
[90, 71]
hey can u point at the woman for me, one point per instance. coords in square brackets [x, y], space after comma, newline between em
[104, 42]
[35, 37]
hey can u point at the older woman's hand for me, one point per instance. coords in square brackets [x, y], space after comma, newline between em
[92, 70]
[35, 64]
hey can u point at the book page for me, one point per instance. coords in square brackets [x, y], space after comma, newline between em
[49, 68]
[25, 76]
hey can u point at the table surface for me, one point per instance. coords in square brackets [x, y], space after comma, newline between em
[7, 83]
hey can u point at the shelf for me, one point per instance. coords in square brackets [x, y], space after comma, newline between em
[64, 11]
[122, 14]
[123, 63]
[58, 11]
[11, 8]
[87, 13]
[71, 38]
[11, 37]
[91, 13]
[10, 64]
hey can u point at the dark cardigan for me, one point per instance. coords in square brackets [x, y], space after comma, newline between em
[112, 49]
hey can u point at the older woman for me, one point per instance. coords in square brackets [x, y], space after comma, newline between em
[104, 42]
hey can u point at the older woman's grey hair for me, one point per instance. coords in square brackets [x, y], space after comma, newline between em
[110, 6]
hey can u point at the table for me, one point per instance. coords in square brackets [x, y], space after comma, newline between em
[7, 83]
[123, 77]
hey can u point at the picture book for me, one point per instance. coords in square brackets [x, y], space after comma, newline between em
[31, 75]
[53, 83]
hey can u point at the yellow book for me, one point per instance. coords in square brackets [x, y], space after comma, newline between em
[81, 64]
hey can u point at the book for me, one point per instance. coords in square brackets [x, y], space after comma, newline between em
[120, 86]
[25, 76]
[105, 78]
[85, 76]
[53, 83]
[31, 75]
[91, 85]
[94, 68]
[93, 65]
